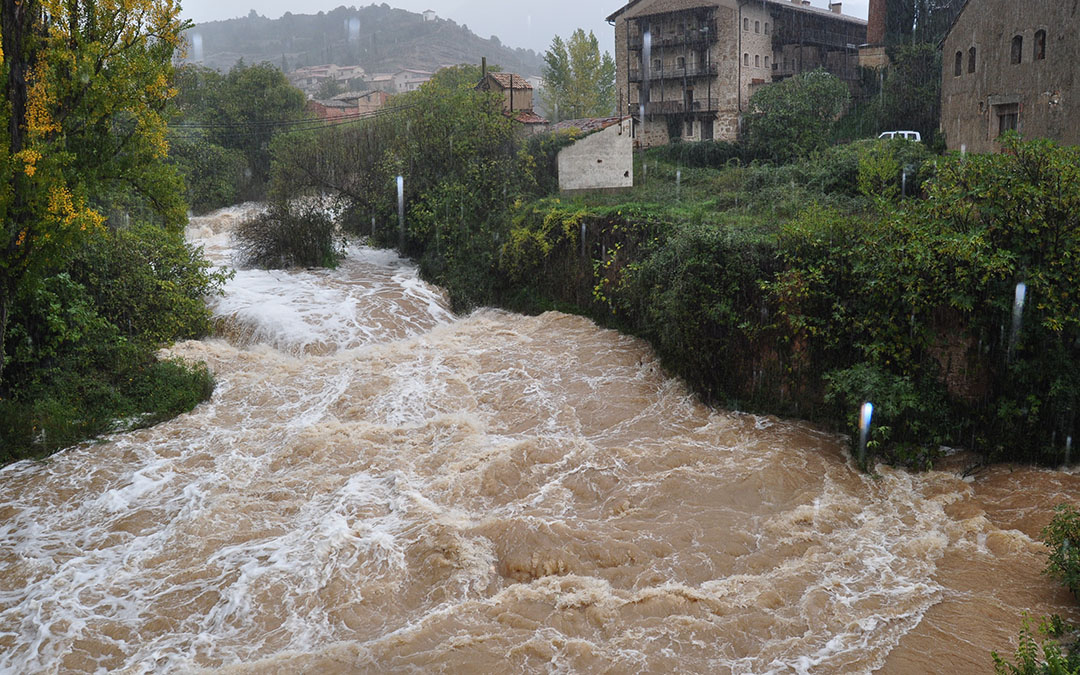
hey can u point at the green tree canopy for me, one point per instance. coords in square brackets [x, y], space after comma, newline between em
[85, 85]
[793, 117]
[578, 80]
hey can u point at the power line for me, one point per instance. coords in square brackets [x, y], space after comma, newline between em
[303, 123]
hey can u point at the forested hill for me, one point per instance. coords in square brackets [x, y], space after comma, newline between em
[377, 37]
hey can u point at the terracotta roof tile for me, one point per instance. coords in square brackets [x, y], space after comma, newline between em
[504, 80]
[588, 125]
[529, 117]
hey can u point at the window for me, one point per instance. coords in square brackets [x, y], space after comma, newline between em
[745, 24]
[971, 60]
[757, 61]
[680, 63]
[757, 26]
[1008, 117]
[657, 64]
[958, 68]
[689, 128]
[746, 59]
[1040, 45]
[1018, 49]
[766, 61]
[766, 27]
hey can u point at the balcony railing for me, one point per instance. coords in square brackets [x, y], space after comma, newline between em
[698, 37]
[701, 70]
[680, 107]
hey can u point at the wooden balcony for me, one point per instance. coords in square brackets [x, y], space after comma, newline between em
[680, 107]
[691, 71]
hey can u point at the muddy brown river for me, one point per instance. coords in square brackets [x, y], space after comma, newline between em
[378, 485]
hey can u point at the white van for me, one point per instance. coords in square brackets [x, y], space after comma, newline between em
[909, 135]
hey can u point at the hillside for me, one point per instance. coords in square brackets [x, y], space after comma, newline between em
[377, 37]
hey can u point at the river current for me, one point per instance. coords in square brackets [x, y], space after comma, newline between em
[378, 485]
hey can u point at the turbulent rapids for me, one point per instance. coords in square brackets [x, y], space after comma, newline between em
[378, 485]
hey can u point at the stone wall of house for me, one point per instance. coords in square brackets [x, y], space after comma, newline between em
[755, 27]
[1040, 96]
[601, 161]
[745, 43]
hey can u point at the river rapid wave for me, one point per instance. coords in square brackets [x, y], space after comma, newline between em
[378, 485]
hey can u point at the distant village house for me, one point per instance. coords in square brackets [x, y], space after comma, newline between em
[410, 80]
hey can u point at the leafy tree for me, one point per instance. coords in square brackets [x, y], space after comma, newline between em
[224, 125]
[85, 85]
[911, 93]
[793, 117]
[328, 89]
[578, 81]
[919, 21]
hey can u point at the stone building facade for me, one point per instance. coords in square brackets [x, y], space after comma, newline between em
[1011, 65]
[687, 68]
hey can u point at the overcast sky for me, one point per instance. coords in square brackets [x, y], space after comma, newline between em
[518, 24]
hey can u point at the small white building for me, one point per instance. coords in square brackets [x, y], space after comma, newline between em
[601, 159]
[429, 15]
[410, 80]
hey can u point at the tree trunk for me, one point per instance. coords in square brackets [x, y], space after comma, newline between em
[15, 19]
[5, 302]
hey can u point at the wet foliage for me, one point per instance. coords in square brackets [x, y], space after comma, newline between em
[299, 233]
[1062, 538]
[82, 341]
[1040, 652]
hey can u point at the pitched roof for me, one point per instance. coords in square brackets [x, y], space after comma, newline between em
[665, 6]
[506, 80]
[529, 117]
[588, 125]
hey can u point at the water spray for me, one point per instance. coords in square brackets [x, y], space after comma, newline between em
[1018, 315]
[866, 413]
[401, 213]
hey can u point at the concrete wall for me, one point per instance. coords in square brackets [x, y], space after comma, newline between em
[601, 161]
[1043, 93]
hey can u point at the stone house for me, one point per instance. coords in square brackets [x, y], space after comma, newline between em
[517, 99]
[602, 159]
[517, 91]
[370, 101]
[687, 68]
[1010, 65]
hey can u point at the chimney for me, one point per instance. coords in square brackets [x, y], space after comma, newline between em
[806, 3]
[483, 67]
[835, 7]
[875, 25]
